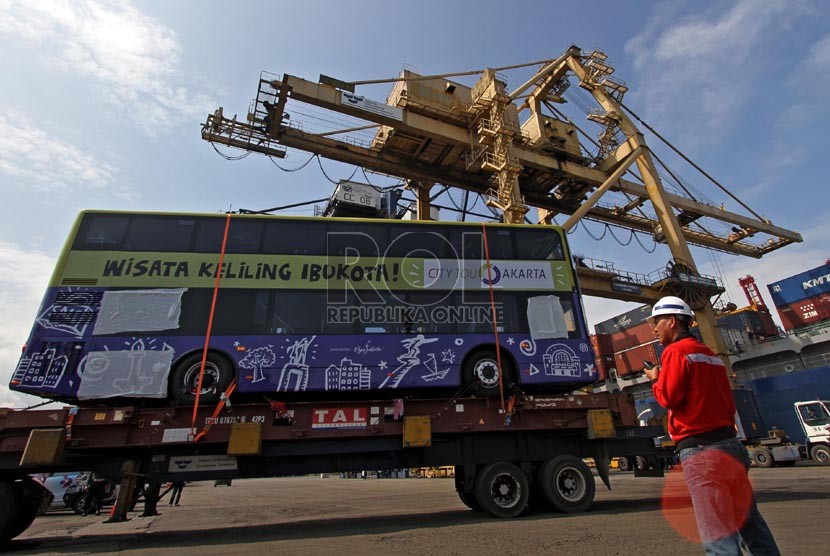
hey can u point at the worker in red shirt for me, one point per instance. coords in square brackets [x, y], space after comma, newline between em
[691, 383]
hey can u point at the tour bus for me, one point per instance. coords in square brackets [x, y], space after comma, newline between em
[312, 305]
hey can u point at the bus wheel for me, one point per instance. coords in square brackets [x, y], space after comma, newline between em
[568, 484]
[185, 378]
[502, 490]
[481, 373]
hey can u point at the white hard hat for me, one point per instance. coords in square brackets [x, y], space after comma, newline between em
[671, 305]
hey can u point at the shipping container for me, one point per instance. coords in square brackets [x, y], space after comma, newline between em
[604, 366]
[805, 312]
[624, 321]
[777, 394]
[632, 360]
[757, 324]
[749, 416]
[632, 337]
[802, 286]
[602, 345]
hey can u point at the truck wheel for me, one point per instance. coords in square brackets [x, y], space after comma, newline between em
[762, 457]
[185, 378]
[501, 490]
[821, 454]
[8, 511]
[568, 484]
[481, 373]
[468, 498]
[624, 464]
[29, 497]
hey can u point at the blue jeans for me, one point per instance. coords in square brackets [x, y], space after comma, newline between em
[725, 510]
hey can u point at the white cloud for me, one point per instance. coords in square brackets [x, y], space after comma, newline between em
[37, 158]
[132, 58]
[697, 72]
[24, 276]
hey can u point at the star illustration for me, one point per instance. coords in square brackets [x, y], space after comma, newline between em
[511, 341]
[236, 343]
[448, 356]
[382, 365]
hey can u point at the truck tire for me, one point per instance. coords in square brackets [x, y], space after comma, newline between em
[502, 490]
[625, 464]
[9, 504]
[30, 495]
[820, 453]
[480, 373]
[762, 457]
[185, 378]
[568, 484]
[468, 498]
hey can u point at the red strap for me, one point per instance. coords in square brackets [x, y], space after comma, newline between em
[210, 319]
[495, 318]
[222, 401]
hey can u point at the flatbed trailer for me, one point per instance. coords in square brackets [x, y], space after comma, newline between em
[504, 454]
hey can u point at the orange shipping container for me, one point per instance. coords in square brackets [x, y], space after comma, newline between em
[633, 337]
[632, 360]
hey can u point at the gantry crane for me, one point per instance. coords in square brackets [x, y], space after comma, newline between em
[432, 130]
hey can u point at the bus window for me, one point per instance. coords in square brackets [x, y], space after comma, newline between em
[294, 237]
[356, 239]
[159, 233]
[424, 242]
[241, 311]
[539, 244]
[500, 243]
[102, 232]
[244, 236]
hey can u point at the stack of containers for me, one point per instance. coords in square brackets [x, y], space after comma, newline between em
[803, 299]
[627, 341]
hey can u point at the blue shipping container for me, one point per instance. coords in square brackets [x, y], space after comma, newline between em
[776, 395]
[801, 286]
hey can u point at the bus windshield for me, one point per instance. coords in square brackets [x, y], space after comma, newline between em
[304, 305]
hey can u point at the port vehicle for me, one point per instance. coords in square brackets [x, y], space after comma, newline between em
[75, 494]
[300, 305]
[814, 417]
[527, 450]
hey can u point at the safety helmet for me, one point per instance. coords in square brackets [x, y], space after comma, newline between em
[671, 305]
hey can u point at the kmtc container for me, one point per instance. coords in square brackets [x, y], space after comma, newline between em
[802, 286]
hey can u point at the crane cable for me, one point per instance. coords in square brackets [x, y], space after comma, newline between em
[695, 166]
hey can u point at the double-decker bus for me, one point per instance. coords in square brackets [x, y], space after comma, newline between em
[304, 305]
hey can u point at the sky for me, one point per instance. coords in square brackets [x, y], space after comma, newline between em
[101, 105]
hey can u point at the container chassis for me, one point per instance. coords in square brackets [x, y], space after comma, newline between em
[527, 450]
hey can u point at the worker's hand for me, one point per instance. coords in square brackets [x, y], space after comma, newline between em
[652, 373]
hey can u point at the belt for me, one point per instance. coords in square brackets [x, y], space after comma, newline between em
[709, 437]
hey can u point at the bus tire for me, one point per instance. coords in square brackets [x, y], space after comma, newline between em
[820, 453]
[502, 490]
[481, 373]
[185, 378]
[568, 484]
[762, 457]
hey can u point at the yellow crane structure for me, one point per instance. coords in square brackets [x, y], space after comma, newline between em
[520, 152]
